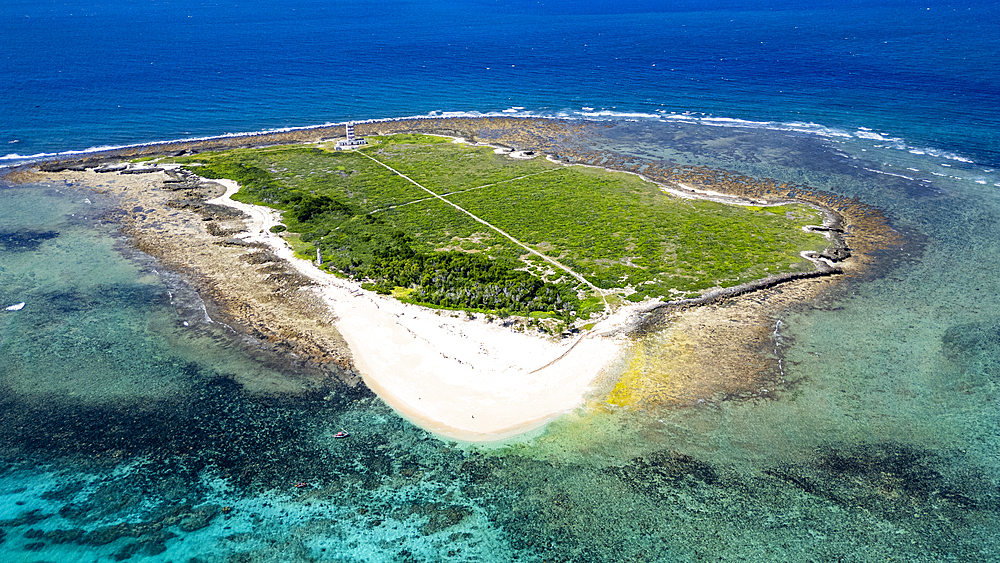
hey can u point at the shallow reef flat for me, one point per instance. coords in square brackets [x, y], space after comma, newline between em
[256, 290]
[800, 421]
[450, 398]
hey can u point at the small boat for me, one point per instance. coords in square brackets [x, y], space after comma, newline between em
[341, 434]
[301, 485]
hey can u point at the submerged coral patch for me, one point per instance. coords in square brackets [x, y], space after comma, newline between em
[24, 240]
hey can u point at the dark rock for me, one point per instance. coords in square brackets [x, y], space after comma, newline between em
[199, 518]
[154, 544]
[836, 254]
[660, 471]
[25, 519]
[53, 167]
[22, 240]
[78, 165]
[239, 243]
[110, 168]
[104, 536]
[141, 170]
[894, 480]
[175, 177]
[965, 341]
[34, 546]
[439, 516]
[216, 231]
[127, 551]
[262, 257]
[65, 536]
[971, 351]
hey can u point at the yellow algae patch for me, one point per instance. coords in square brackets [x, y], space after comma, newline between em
[655, 371]
[719, 351]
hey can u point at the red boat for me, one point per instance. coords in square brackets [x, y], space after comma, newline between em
[341, 434]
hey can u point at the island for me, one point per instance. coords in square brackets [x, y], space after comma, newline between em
[482, 287]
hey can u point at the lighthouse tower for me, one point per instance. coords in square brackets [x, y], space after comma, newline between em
[351, 142]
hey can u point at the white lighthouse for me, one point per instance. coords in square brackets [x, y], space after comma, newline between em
[351, 142]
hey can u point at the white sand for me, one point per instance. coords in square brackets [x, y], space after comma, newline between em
[463, 379]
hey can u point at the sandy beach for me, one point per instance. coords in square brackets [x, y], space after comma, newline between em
[454, 373]
[463, 378]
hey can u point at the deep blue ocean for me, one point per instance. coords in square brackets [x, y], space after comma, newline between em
[95, 73]
[127, 431]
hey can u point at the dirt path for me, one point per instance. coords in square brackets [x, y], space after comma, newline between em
[552, 261]
[461, 378]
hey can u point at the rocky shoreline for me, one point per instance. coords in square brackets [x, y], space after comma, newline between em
[166, 215]
[243, 285]
[861, 228]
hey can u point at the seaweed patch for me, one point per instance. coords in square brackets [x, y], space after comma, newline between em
[24, 240]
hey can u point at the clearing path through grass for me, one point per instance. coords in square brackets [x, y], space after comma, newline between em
[555, 263]
[456, 226]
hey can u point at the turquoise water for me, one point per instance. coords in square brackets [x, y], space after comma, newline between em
[130, 420]
[130, 435]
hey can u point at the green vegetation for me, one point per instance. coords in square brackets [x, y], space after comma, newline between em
[617, 230]
[623, 234]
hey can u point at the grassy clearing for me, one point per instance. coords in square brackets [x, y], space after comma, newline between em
[618, 230]
[622, 233]
[444, 167]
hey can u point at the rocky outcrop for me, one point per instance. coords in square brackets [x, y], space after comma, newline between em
[117, 167]
[141, 170]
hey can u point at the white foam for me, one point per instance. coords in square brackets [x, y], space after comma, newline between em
[618, 114]
[586, 112]
[865, 133]
[734, 122]
[15, 156]
[889, 173]
[950, 156]
[798, 127]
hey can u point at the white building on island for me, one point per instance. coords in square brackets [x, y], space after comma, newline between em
[351, 142]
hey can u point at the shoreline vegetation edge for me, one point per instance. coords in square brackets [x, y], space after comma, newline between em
[417, 340]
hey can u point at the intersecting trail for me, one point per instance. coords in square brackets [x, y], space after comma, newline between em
[552, 261]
